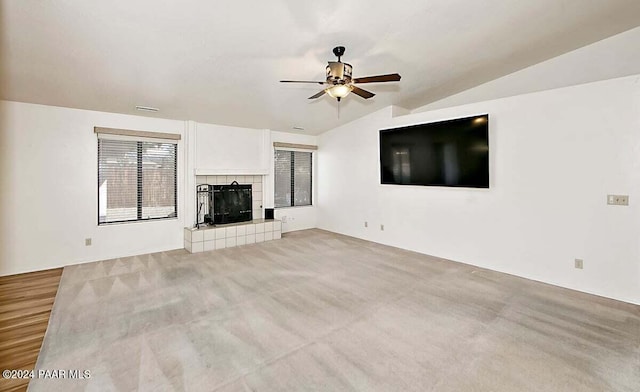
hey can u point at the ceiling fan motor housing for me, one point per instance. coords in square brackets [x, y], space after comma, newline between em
[339, 72]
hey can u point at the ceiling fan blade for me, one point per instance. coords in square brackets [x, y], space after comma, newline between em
[378, 78]
[300, 81]
[318, 95]
[363, 93]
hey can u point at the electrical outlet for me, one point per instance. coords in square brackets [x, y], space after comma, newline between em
[366, 224]
[381, 227]
[618, 200]
[87, 242]
[578, 263]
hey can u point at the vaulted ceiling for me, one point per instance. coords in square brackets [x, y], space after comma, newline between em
[220, 62]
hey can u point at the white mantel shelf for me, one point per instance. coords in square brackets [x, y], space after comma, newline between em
[235, 234]
[234, 172]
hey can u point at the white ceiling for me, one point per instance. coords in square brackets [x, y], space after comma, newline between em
[220, 62]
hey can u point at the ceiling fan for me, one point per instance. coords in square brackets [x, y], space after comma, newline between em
[340, 82]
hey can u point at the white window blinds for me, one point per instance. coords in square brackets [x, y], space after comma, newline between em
[137, 180]
[293, 178]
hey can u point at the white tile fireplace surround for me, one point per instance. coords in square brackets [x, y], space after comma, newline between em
[256, 188]
[225, 236]
[234, 234]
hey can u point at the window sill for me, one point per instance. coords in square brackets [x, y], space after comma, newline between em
[107, 224]
[287, 207]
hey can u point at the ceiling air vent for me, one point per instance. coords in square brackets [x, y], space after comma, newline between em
[147, 109]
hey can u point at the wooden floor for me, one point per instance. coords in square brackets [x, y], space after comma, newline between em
[25, 305]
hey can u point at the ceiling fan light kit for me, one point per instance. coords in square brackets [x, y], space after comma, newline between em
[340, 79]
[339, 91]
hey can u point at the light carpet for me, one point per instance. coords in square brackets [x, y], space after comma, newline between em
[325, 312]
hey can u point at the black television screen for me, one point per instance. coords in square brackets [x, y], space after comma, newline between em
[446, 153]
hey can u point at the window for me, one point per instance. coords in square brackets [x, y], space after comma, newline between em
[293, 178]
[137, 180]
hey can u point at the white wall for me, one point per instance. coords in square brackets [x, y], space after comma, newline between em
[295, 218]
[48, 185]
[554, 156]
[222, 150]
[230, 150]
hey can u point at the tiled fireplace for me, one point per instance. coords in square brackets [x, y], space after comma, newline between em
[256, 188]
[208, 238]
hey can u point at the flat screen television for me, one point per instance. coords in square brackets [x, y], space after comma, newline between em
[451, 153]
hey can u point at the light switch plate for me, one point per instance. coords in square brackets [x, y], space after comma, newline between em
[579, 264]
